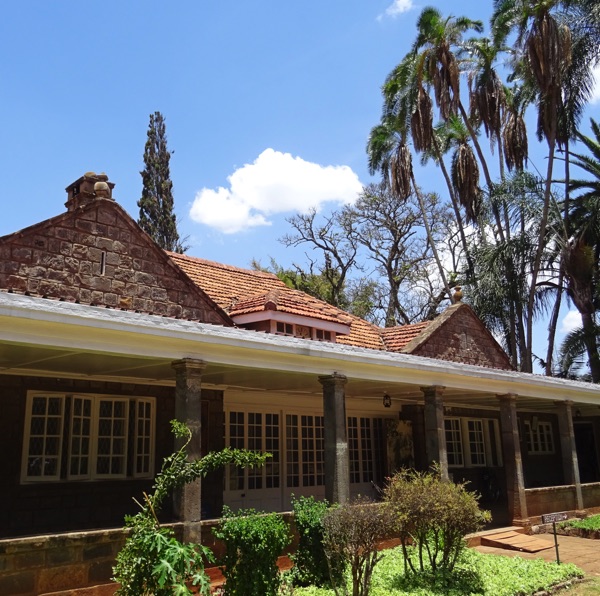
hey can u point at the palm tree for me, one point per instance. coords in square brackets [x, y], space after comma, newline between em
[544, 45]
[408, 107]
[436, 39]
[464, 170]
[487, 99]
[581, 247]
[514, 131]
[571, 357]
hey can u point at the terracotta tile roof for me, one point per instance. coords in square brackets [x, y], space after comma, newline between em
[243, 291]
[397, 338]
[226, 284]
[362, 335]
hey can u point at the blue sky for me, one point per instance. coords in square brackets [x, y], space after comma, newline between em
[268, 105]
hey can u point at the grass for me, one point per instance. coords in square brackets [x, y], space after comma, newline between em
[588, 588]
[476, 573]
[589, 523]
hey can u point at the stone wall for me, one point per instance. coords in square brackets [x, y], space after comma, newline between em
[591, 496]
[42, 564]
[463, 338]
[97, 255]
[31, 566]
[550, 499]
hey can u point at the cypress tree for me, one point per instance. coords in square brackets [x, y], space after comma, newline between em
[156, 205]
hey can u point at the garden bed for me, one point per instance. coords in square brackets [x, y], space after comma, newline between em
[476, 573]
[582, 528]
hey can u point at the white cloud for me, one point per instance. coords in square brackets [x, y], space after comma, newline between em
[274, 183]
[397, 7]
[596, 92]
[571, 321]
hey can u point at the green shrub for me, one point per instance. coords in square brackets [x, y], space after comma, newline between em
[352, 533]
[310, 563]
[589, 523]
[253, 541]
[434, 515]
[153, 561]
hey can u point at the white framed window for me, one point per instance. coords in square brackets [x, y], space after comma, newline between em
[472, 442]
[364, 448]
[256, 431]
[539, 437]
[144, 438]
[454, 447]
[476, 442]
[87, 437]
[304, 450]
[42, 446]
[81, 438]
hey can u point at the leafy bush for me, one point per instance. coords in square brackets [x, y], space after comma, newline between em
[310, 562]
[434, 515]
[352, 533]
[153, 561]
[253, 541]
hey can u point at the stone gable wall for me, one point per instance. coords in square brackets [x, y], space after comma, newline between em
[95, 256]
[464, 339]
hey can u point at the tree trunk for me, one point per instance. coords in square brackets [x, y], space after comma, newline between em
[553, 323]
[591, 346]
[527, 359]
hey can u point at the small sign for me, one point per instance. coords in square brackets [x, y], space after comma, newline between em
[551, 518]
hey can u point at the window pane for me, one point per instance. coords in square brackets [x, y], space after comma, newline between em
[366, 449]
[143, 443]
[45, 437]
[292, 451]
[236, 441]
[112, 440]
[353, 451]
[453, 441]
[80, 437]
[476, 442]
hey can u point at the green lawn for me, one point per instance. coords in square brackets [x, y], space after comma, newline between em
[477, 573]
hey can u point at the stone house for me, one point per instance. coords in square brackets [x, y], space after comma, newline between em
[104, 338]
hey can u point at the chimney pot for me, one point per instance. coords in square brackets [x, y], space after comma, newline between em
[89, 187]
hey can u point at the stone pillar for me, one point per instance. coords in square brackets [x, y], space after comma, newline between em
[337, 463]
[435, 432]
[568, 449]
[513, 464]
[188, 409]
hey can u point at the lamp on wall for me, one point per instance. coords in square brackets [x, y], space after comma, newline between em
[387, 401]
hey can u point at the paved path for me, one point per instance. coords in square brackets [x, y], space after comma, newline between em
[584, 552]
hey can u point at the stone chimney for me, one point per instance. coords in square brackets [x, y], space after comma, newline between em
[89, 187]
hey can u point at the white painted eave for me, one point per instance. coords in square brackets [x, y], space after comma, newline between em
[49, 323]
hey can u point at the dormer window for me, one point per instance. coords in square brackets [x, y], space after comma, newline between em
[285, 328]
[303, 331]
[322, 335]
